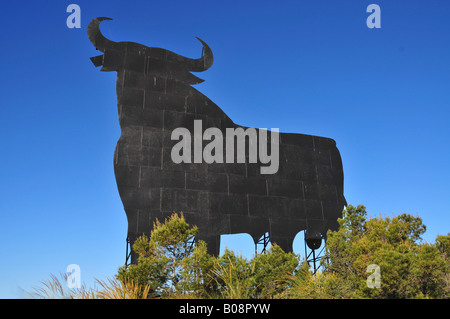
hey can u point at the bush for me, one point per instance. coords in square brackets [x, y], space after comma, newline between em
[170, 265]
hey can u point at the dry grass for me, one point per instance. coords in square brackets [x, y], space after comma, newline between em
[54, 288]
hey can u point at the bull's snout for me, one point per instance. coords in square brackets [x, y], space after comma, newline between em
[97, 60]
[111, 60]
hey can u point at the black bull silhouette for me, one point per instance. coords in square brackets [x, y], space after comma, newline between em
[155, 97]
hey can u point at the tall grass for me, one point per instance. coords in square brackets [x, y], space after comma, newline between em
[54, 288]
[234, 283]
[116, 289]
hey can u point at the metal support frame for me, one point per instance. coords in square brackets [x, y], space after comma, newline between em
[313, 256]
[264, 242]
[128, 253]
[314, 259]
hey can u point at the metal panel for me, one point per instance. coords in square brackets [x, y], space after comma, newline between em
[155, 97]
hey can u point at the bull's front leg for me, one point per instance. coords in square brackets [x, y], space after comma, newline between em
[212, 242]
[284, 242]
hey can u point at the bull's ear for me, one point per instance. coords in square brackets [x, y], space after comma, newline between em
[97, 60]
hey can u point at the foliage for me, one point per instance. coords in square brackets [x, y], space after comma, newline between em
[196, 273]
[409, 268]
[171, 265]
[304, 285]
[271, 270]
[160, 263]
[171, 268]
[234, 276]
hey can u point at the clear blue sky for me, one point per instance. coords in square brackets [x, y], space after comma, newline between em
[309, 67]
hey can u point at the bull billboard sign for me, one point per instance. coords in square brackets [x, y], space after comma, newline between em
[180, 152]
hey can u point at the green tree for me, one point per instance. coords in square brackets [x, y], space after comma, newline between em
[264, 276]
[196, 273]
[160, 261]
[443, 245]
[303, 284]
[409, 268]
[171, 266]
[271, 270]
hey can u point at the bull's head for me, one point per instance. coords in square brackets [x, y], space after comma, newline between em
[140, 58]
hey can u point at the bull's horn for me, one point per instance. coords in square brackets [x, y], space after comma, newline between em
[96, 37]
[203, 63]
